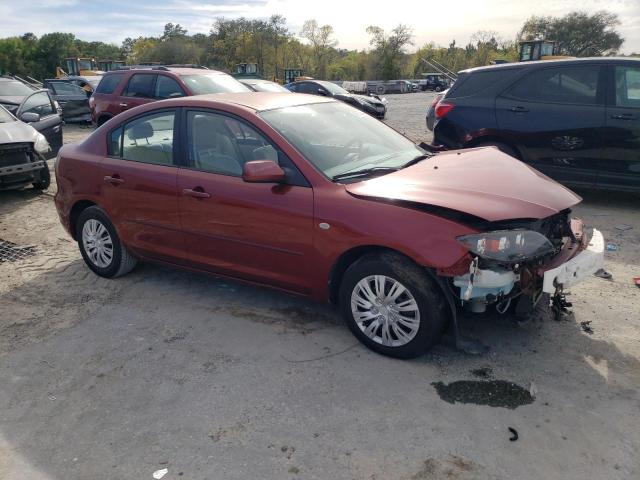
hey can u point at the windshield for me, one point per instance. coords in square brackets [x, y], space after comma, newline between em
[268, 87]
[333, 88]
[216, 83]
[5, 116]
[15, 89]
[337, 138]
[85, 64]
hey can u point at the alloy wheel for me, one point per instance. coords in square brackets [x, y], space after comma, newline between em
[385, 310]
[97, 243]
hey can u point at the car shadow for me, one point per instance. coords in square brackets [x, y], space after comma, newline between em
[117, 378]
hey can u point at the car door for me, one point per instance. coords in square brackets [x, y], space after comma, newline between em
[620, 165]
[555, 116]
[256, 231]
[72, 98]
[140, 89]
[140, 185]
[49, 123]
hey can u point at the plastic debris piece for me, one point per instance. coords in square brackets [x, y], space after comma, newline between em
[612, 247]
[636, 280]
[623, 227]
[514, 434]
[533, 390]
[586, 327]
[158, 474]
[602, 273]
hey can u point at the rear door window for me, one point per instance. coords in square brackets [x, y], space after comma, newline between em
[64, 88]
[109, 83]
[141, 85]
[577, 85]
[627, 80]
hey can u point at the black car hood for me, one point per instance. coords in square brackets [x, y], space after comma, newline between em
[365, 98]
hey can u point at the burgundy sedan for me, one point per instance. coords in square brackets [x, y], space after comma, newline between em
[314, 197]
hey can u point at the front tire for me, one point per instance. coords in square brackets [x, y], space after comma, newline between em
[100, 246]
[392, 305]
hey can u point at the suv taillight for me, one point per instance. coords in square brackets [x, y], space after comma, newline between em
[443, 108]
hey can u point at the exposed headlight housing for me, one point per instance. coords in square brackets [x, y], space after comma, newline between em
[509, 246]
[41, 145]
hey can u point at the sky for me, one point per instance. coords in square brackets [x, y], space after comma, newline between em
[432, 21]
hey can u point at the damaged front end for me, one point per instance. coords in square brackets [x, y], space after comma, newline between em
[522, 259]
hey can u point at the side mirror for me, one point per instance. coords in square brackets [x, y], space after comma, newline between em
[262, 171]
[30, 117]
[322, 91]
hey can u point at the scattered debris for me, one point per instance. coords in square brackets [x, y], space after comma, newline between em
[636, 280]
[533, 390]
[294, 470]
[494, 393]
[612, 247]
[602, 273]
[586, 327]
[514, 434]
[158, 474]
[623, 227]
[482, 372]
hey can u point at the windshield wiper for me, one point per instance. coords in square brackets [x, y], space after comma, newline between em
[417, 159]
[364, 172]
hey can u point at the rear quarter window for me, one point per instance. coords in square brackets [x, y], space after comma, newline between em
[476, 82]
[109, 83]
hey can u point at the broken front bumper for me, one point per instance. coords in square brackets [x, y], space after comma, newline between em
[577, 268]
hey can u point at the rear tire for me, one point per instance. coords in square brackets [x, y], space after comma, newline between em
[414, 320]
[100, 246]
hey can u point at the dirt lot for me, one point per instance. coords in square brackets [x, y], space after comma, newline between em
[214, 380]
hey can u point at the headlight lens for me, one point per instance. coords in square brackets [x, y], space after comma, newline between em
[41, 145]
[508, 245]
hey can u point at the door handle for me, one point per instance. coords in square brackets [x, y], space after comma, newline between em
[197, 192]
[113, 180]
[519, 109]
[125, 105]
[624, 116]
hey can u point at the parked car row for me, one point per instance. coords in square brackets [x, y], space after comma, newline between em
[575, 120]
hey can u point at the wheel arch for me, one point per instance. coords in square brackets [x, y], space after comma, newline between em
[76, 210]
[103, 118]
[348, 258]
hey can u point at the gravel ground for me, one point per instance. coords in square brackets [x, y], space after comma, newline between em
[215, 380]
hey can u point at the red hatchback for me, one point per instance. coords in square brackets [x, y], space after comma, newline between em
[121, 90]
[314, 197]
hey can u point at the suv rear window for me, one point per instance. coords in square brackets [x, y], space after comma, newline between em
[109, 83]
[573, 85]
[477, 81]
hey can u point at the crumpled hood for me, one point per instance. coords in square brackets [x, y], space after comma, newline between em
[483, 182]
[17, 132]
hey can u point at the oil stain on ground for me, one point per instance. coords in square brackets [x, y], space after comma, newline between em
[494, 393]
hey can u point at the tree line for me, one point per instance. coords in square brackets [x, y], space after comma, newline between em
[270, 44]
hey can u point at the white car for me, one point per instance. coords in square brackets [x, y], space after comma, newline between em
[22, 154]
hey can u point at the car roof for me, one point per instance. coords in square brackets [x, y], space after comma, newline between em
[177, 70]
[557, 62]
[258, 101]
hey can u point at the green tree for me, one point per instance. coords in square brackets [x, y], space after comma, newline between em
[321, 40]
[390, 48]
[578, 34]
